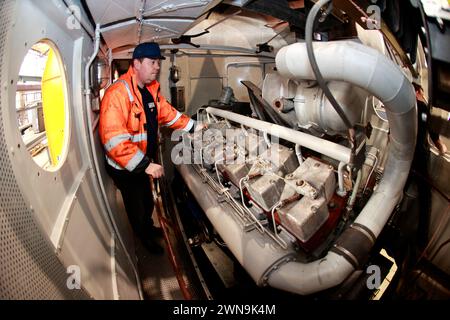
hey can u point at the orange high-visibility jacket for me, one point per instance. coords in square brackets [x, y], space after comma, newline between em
[122, 121]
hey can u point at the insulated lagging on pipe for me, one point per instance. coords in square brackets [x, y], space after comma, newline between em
[368, 69]
[309, 30]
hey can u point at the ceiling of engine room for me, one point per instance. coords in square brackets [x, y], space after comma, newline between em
[125, 23]
[129, 22]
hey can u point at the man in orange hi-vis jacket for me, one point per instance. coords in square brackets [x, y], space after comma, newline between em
[131, 111]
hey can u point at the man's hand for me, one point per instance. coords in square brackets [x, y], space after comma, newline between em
[200, 126]
[154, 170]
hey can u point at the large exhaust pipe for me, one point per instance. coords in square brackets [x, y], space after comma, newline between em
[368, 69]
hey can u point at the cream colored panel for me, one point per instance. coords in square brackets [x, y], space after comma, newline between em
[119, 37]
[245, 30]
[109, 11]
[202, 90]
[152, 30]
[244, 72]
[207, 67]
[156, 29]
[204, 77]
[180, 8]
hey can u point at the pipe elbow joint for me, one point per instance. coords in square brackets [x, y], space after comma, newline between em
[354, 244]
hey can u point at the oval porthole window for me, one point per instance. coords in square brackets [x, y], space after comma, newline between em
[41, 105]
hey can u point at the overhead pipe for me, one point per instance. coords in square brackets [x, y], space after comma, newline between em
[269, 264]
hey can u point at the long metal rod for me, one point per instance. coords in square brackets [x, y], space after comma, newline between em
[164, 226]
[325, 147]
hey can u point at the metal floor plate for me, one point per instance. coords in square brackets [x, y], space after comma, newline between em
[158, 278]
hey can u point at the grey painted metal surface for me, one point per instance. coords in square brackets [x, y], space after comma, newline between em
[29, 268]
[62, 213]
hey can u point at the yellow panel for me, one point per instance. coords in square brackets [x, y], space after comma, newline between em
[53, 105]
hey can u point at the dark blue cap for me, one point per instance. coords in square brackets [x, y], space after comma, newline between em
[148, 50]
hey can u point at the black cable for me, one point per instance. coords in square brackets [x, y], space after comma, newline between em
[309, 29]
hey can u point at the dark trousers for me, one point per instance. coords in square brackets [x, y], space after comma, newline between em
[137, 198]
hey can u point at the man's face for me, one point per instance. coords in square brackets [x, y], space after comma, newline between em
[147, 70]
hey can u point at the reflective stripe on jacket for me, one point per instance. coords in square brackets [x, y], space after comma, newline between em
[122, 121]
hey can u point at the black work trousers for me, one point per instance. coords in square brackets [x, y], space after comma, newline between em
[137, 198]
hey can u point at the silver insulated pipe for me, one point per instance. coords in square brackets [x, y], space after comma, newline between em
[368, 69]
